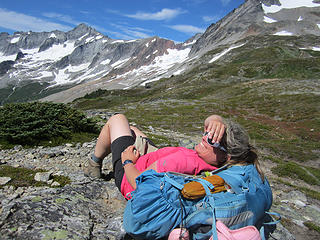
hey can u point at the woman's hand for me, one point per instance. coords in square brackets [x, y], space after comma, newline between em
[130, 153]
[215, 127]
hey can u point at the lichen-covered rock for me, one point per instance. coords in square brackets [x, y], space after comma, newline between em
[84, 211]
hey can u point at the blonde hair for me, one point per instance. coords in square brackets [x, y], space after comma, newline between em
[237, 142]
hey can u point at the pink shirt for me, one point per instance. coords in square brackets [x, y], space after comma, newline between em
[174, 159]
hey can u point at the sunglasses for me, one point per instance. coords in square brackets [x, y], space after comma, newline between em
[214, 144]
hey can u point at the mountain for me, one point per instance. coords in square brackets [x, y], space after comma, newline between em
[62, 66]
[265, 17]
[37, 64]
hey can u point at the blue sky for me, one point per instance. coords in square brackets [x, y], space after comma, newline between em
[176, 20]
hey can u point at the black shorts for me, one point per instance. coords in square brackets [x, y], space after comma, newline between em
[117, 147]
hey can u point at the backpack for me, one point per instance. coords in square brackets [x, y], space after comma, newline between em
[157, 207]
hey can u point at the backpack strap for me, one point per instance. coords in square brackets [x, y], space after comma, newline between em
[207, 186]
[237, 177]
[173, 182]
[262, 234]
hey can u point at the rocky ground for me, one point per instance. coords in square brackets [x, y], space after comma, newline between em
[92, 209]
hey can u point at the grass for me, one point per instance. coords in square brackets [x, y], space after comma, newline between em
[295, 171]
[312, 226]
[24, 177]
[162, 141]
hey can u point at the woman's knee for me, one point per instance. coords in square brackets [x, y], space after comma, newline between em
[118, 118]
[118, 126]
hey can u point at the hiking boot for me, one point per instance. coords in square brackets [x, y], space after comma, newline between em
[93, 169]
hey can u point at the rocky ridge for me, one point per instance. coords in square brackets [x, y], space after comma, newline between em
[92, 209]
[62, 66]
[52, 60]
[258, 17]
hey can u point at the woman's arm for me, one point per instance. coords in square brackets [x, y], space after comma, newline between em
[215, 127]
[130, 169]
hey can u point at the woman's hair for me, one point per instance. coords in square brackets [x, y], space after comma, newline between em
[237, 142]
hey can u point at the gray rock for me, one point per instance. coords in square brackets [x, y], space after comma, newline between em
[55, 184]
[296, 195]
[43, 176]
[4, 180]
[73, 212]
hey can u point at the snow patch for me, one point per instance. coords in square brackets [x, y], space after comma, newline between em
[173, 56]
[106, 62]
[283, 33]
[289, 4]
[134, 40]
[56, 52]
[316, 49]
[155, 52]
[318, 24]
[300, 18]
[178, 72]
[61, 77]
[30, 51]
[120, 63]
[83, 36]
[161, 64]
[52, 35]
[78, 68]
[90, 39]
[94, 75]
[7, 58]
[147, 56]
[147, 44]
[44, 74]
[190, 43]
[153, 40]
[118, 41]
[15, 40]
[215, 58]
[269, 20]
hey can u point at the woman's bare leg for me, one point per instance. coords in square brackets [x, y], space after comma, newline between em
[115, 127]
[137, 131]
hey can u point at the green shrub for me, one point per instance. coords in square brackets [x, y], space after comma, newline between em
[29, 124]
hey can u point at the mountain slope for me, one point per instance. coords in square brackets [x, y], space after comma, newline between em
[50, 62]
[265, 17]
[64, 66]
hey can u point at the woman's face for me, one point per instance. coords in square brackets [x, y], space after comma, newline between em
[210, 155]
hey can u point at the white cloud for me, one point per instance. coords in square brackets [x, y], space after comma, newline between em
[21, 22]
[225, 2]
[61, 17]
[164, 14]
[195, 1]
[129, 33]
[211, 19]
[187, 29]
